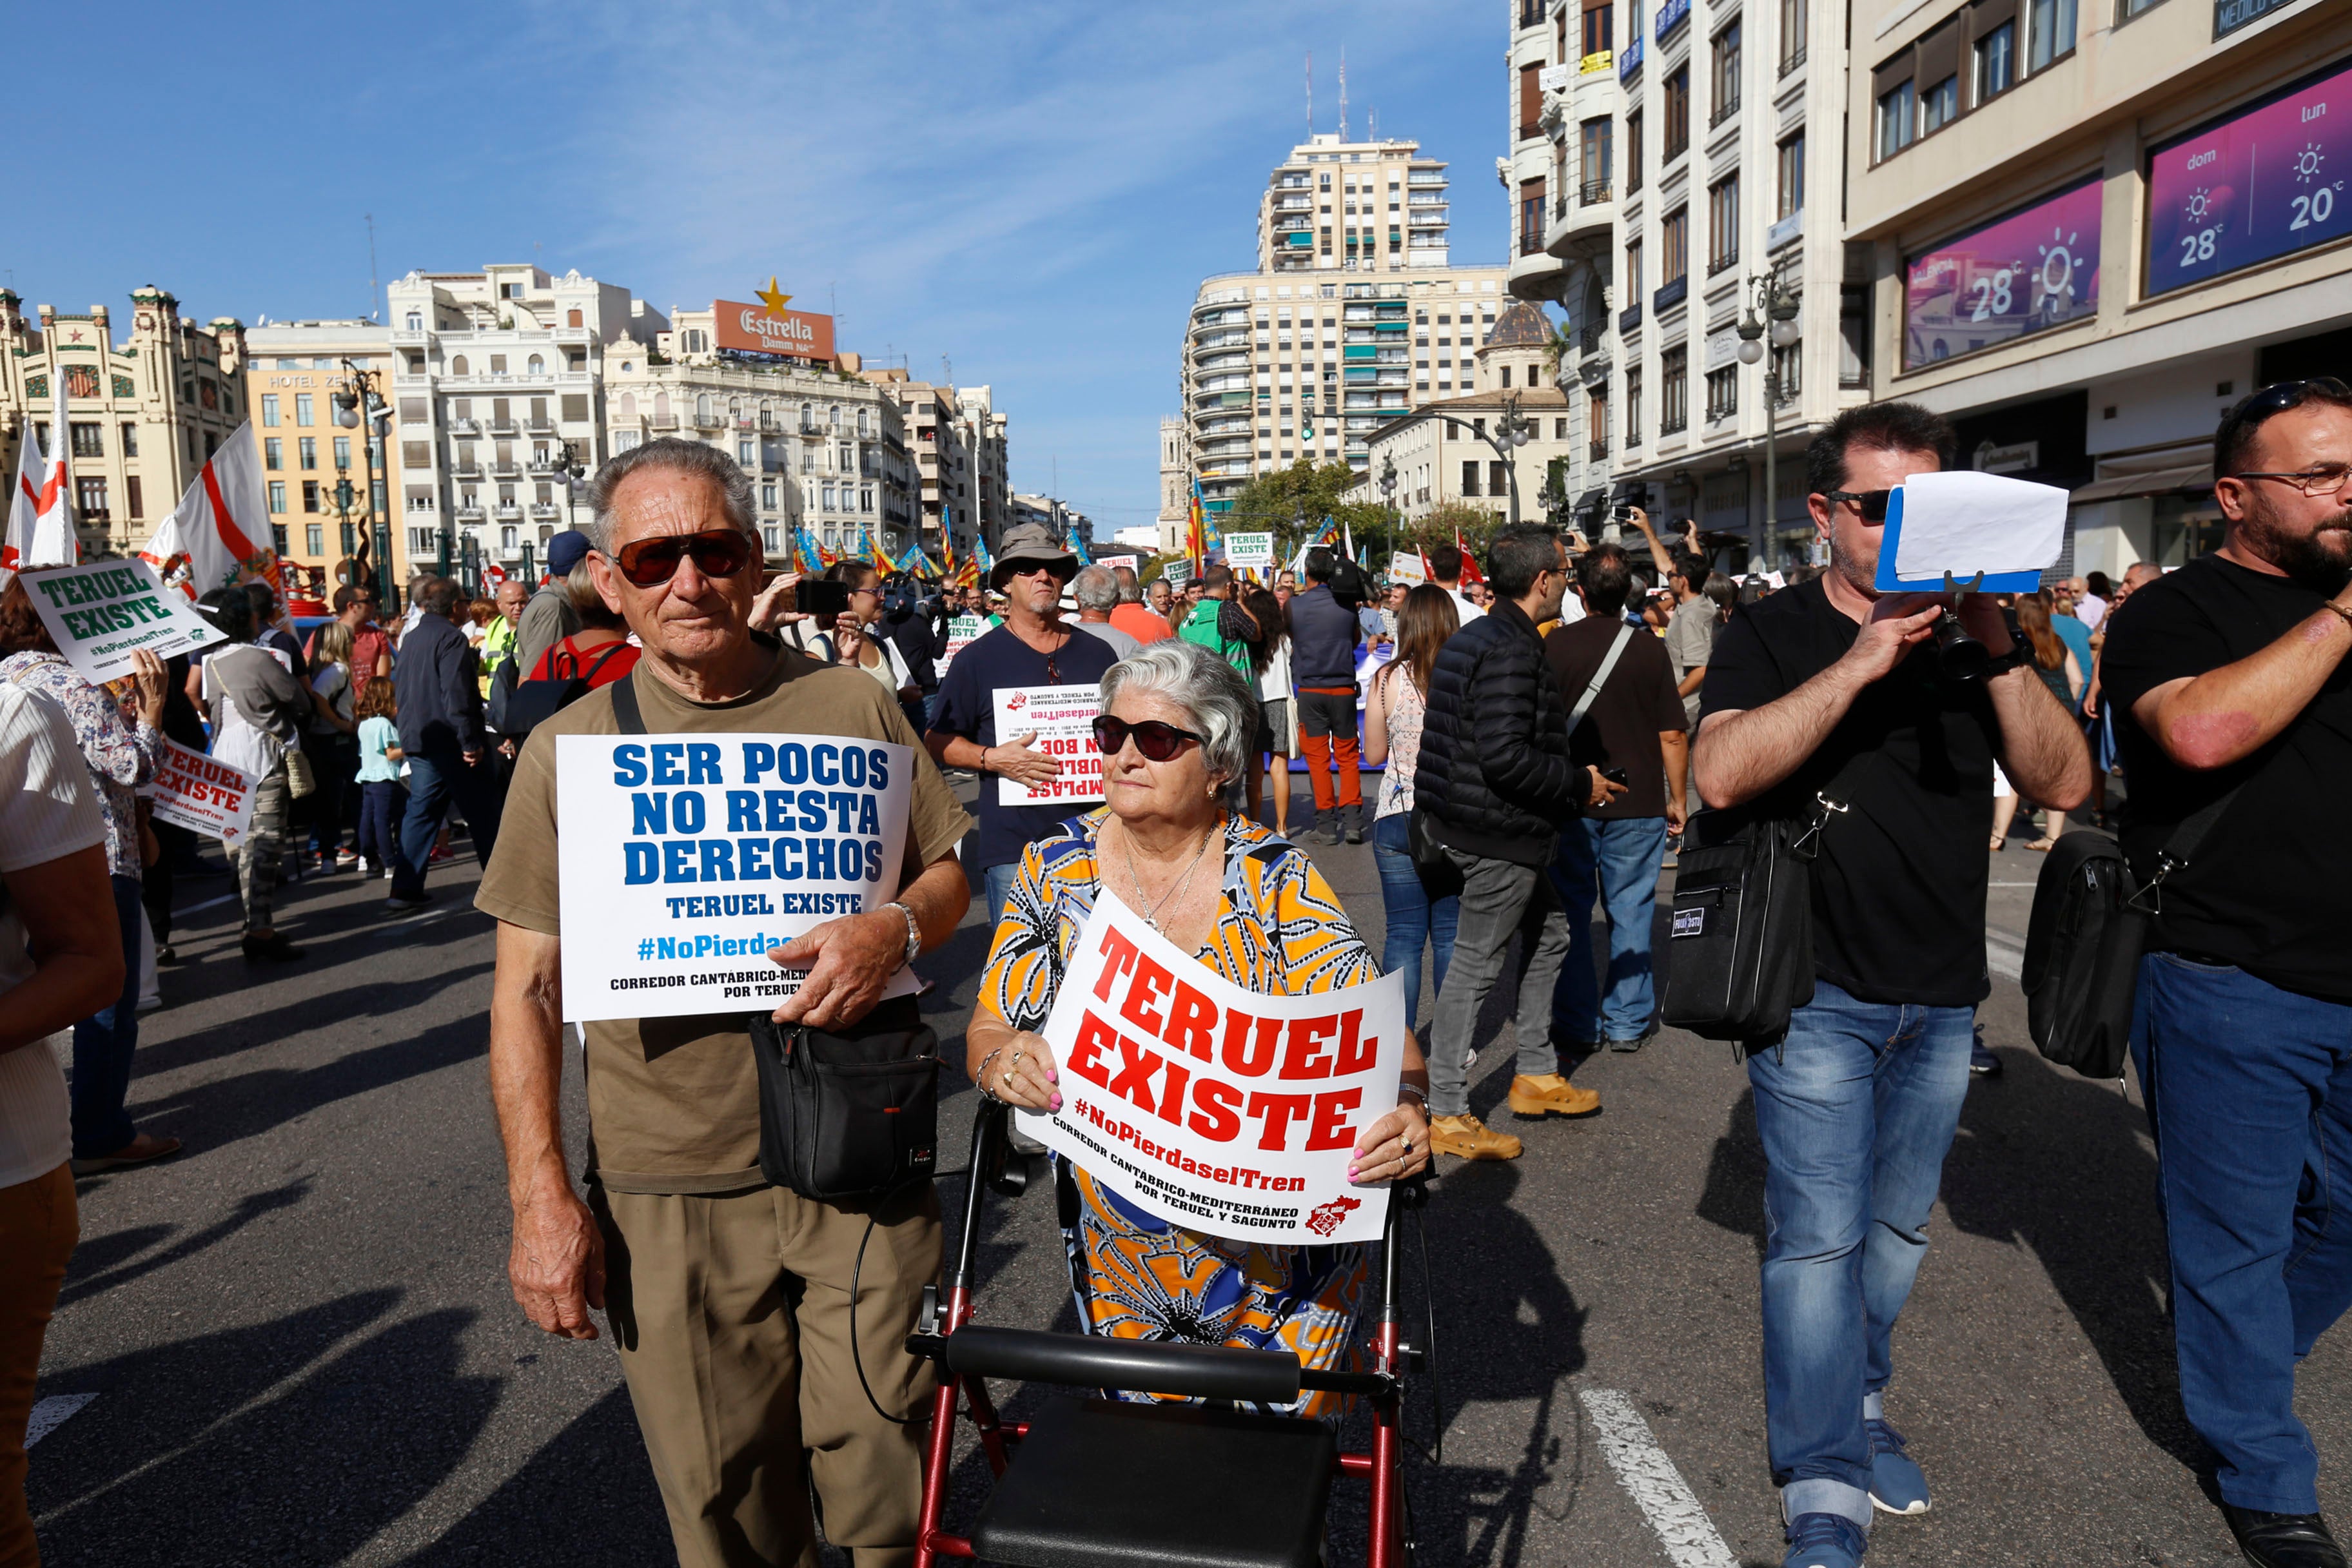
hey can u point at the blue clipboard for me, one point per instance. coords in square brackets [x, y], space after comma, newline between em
[1887, 582]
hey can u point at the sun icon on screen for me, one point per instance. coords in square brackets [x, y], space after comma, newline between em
[2057, 271]
[2307, 163]
[2199, 204]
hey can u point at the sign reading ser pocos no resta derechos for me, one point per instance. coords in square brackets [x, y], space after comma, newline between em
[102, 614]
[686, 857]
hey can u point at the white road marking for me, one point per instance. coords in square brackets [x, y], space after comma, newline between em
[1656, 1486]
[2004, 954]
[204, 904]
[49, 1414]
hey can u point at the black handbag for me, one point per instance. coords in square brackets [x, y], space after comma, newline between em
[842, 1115]
[1739, 956]
[848, 1115]
[2084, 941]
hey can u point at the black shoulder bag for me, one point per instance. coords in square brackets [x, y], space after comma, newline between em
[842, 1115]
[517, 707]
[1739, 958]
[2084, 941]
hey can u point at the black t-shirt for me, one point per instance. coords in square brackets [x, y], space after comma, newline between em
[967, 708]
[1635, 704]
[2270, 889]
[1899, 883]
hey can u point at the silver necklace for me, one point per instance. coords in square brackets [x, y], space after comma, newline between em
[1151, 915]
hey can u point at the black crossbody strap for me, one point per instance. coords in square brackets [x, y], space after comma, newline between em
[1601, 677]
[2182, 846]
[625, 705]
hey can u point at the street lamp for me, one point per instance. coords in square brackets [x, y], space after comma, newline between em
[1388, 498]
[1512, 430]
[1774, 302]
[356, 401]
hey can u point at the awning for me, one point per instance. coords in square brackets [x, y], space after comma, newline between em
[2153, 483]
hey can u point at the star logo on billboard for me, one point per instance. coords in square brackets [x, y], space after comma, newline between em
[774, 298]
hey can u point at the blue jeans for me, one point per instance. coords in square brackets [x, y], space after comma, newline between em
[379, 812]
[1622, 855]
[1856, 1110]
[102, 1046]
[1413, 917]
[2249, 1092]
[996, 888]
[434, 784]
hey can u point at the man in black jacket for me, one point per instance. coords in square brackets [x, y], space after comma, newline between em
[1323, 640]
[1495, 783]
[437, 680]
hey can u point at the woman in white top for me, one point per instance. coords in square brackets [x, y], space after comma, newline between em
[53, 865]
[258, 708]
[1394, 711]
[856, 643]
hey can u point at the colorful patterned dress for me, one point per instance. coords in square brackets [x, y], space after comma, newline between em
[1280, 932]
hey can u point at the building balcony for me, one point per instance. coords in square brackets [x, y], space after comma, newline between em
[404, 338]
[1724, 263]
[469, 511]
[465, 427]
[1597, 451]
[507, 470]
[1723, 111]
[540, 427]
[465, 468]
[1585, 229]
[662, 422]
[575, 335]
[1424, 177]
[1669, 295]
[509, 511]
[502, 428]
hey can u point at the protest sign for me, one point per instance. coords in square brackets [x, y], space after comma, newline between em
[1116, 562]
[684, 858]
[1250, 549]
[1405, 566]
[1965, 522]
[102, 614]
[1215, 1108]
[202, 794]
[962, 631]
[1064, 717]
[1177, 573]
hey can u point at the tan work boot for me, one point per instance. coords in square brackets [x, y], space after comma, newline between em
[1551, 1095]
[1467, 1137]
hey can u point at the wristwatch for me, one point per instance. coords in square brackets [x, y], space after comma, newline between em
[914, 931]
[2020, 654]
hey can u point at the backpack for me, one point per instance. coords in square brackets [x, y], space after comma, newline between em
[2084, 941]
[517, 708]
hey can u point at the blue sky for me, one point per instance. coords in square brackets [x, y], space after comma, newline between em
[1033, 190]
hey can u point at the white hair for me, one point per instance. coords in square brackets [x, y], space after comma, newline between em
[676, 456]
[1216, 700]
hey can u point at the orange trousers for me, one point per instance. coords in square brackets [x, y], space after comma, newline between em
[38, 1226]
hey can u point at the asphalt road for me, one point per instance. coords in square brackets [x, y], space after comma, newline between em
[302, 1350]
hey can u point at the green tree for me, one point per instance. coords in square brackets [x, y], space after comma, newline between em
[1272, 504]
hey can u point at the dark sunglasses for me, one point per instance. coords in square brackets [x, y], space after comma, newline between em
[2283, 395]
[716, 551]
[1156, 741]
[1870, 503]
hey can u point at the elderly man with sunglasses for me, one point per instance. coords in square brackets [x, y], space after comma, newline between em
[731, 1299]
[1033, 647]
[1825, 703]
[2231, 696]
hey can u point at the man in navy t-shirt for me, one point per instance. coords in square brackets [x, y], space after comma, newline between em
[1033, 647]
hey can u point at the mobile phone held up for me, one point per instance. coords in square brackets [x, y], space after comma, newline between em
[817, 596]
[1622, 512]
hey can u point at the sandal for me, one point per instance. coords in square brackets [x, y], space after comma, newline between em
[2044, 845]
[1999, 843]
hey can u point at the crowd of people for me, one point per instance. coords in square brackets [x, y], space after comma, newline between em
[1544, 734]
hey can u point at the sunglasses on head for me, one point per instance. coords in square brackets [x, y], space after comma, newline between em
[1871, 504]
[2323, 478]
[1158, 742]
[716, 551]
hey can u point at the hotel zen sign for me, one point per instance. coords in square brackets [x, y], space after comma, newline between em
[754, 329]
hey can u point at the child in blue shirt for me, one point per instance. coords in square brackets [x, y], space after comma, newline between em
[383, 801]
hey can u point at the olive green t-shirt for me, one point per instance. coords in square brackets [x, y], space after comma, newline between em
[673, 1103]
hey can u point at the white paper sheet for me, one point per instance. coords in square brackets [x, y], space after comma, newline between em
[1966, 522]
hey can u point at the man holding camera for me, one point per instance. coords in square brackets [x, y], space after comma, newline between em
[1830, 703]
[2231, 699]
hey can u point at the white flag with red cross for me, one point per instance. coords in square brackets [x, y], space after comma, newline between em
[40, 507]
[218, 536]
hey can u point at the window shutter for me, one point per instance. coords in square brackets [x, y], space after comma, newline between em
[415, 454]
[575, 407]
[1940, 53]
[1986, 14]
[1531, 96]
[413, 411]
[1890, 76]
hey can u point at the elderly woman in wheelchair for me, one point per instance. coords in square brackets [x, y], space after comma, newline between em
[1175, 734]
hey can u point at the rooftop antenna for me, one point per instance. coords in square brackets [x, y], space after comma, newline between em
[1310, 95]
[373, 286]
[1343, 93]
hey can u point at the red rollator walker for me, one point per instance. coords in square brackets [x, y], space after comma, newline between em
[1093, 1480]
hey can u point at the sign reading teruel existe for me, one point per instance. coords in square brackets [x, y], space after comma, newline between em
[755, 329]
[1217, 1108]
[101, 614]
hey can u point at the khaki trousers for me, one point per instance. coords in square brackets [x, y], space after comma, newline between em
[732, 1314]
[38, 1227]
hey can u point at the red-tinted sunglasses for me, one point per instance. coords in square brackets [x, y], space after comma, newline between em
[1156, 741]
[716, 551]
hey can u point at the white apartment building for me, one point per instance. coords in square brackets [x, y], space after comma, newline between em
[1059, 519]
[1278, 368]
[2092, 226]
[1340, 205]
[827, 449]
[496, 373]
[1434, 460]
[141, 415]
[959, 441]
[1663, 156]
